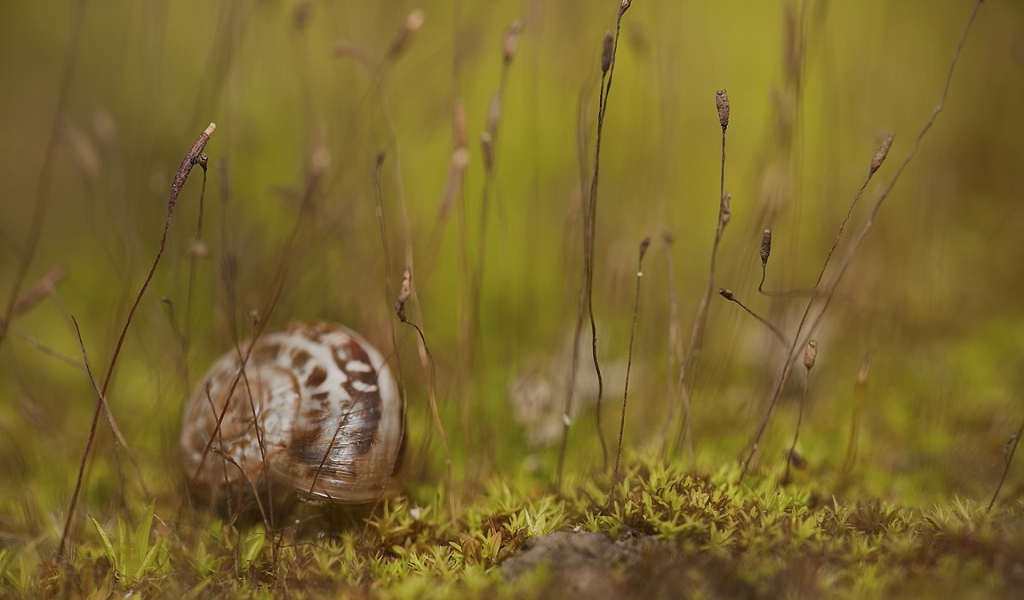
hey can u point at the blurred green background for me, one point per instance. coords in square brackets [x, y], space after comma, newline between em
[934, 295]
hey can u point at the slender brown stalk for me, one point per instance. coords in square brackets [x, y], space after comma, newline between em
[378, 194]
[429, 368]
[317, 163]
[259, 429]
[851, 447]
[1008, 456]
[46, 284]
[190, 160]
[571, 384]
[583, 296]
[196, 251]
[700, 324]
[790, 354]
[243, 360]
[692, 355]
[810, 356]
[489, 149]
[609, 50]
[227, 263]
[42, 195]
[675, 352]
[377, 70]
[44, 349]
[593, 232]
[469, 323]
[731, 297]
[629, 363]
[118, 436]
[240, 376]
[876, 163]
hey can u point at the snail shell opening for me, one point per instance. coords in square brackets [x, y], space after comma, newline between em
[315, 410]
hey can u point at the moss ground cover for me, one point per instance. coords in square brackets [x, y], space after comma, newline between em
[509, 158]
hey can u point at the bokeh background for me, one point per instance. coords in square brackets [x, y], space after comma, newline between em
[933, 296]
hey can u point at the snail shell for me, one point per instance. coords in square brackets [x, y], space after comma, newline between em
[325, 405]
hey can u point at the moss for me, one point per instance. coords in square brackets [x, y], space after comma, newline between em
[704, 532]
[904, 519]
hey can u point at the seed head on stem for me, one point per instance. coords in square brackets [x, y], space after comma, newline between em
[510, 43]
[722, 100]
[810, 355]
[766, 247]
[606, 52]
[881, 153]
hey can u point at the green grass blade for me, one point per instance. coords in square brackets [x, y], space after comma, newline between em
[107, 546]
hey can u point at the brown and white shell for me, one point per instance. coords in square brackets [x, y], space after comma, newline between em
[320, 399]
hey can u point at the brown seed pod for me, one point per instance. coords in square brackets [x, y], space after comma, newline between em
[881, 153]
[607, 47]
[766, 246]
[315, 410]
[810, 354]
[510, 41]
[722, 102]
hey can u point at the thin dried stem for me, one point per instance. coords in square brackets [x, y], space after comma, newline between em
[46, 285]
[118, 436]
[796, 432]
[408, 291]
[603, 109]
[731, 297]
[317, 163]
[700, 323]
[469, 325]
[810, 355]
[876, 160]
[379, 196]
[258, 428]
[1006, 467]
[45, 172]
[609, 50]
[489, 150]
[196, 251]
[44, 349]
[42, 195]
[851, 447]
[378, 74]
[190, 160]
[378, 70]
[629, 363]
[675, 354]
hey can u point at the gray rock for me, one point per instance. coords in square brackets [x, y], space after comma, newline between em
[582, 565]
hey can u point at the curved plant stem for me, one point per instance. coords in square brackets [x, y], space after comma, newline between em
[629, 363]
[787, 366]
[590, 233]
[35, 229]
[190, 160]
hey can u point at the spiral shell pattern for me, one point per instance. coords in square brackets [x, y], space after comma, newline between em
[314, 409]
